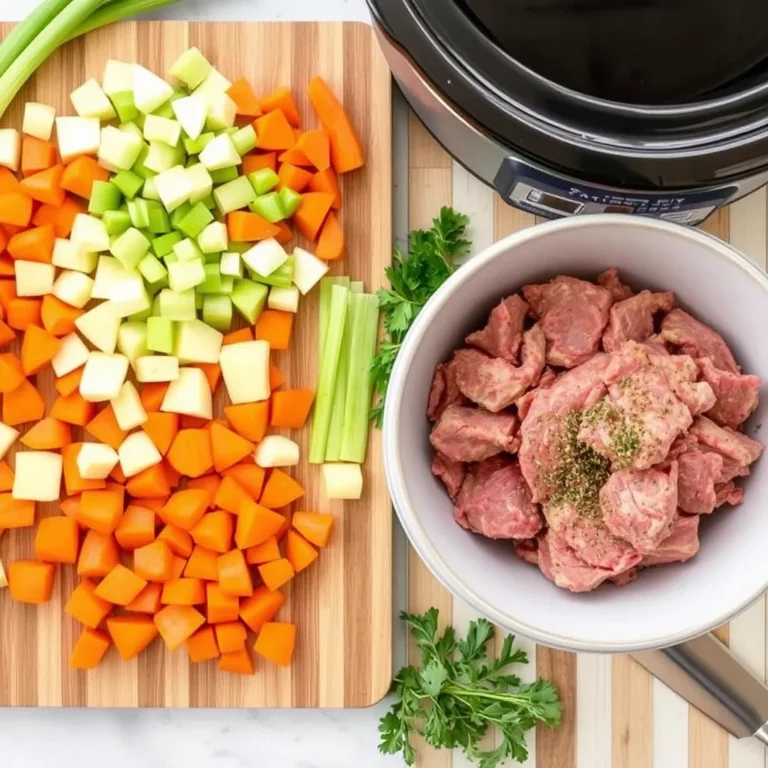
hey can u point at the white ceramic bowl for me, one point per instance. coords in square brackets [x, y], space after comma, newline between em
[666, 605]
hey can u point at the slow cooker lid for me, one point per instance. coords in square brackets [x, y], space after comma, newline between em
[633, 51]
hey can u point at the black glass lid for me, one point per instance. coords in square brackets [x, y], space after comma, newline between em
[631, 51]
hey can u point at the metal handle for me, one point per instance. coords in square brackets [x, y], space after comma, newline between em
[707, 675]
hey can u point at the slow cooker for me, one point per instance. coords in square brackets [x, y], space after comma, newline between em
[571, 107]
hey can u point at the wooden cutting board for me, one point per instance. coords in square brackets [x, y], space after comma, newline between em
[342, 604]
[616, 715]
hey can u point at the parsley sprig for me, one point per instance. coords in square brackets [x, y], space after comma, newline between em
[459, 692]
[414, 278]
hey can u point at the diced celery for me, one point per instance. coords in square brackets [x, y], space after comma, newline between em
[116, 222]
[212, 282]
[105, 196]
[227, 285]
[249, 299]
[183, 275]
[130, 248]
[198, 301]
[231, 264]
[217, 312]
[180, 213]
[233, 195]
[160, 333]
[152, 269]
[209, 202]
[163, 129]
[139, 167]
[268, 207]
[128, 183]
[213, 239]
[240, 248]
[244, 139]
[211, 258]
[150, 190]
[202, 184]
[222, 111]
[195, 221]
[192, 68]
[124, 106]
[156, 287]
[196, 146]
[187, 250]
[282, 277]
[131, 126]
[264, 180]
[162, 157]
[290, 200]
[163, 245]
[165, 112]
[170, 258]
[139, 213]
[223, 175]
[177, 306]
[159, 221]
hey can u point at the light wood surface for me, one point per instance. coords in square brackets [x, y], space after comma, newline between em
[343, 604]
[616, 715]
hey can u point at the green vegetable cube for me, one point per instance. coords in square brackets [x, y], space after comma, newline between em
[130, 248]
[163, 245]
[176, 306]
[234, 194]
[209, 202]
[179, 213]
[268, 207]
[244, 139]
[132, 339]
[249, 299]
[196, 146]
[165, 112]
[213, 239]
[187, 250]
[202, 184]
[116, 222]
[196, 220]
[161, 157]
[231, 264]
[183, 275]
[160, 333]
[164, 129]
[217, 312]
[290, 200]
[128, 183]
[124, 106]
[223, 175]
[264, 180]
[105, 196]
[159, 221]
[152, 269]
[154, 288]
[132, 127]
[212, 282]
[282, 277]
[227, 285]
[139, 213]
[191, 68]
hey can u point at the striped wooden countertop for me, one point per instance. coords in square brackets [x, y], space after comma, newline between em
[616, 714]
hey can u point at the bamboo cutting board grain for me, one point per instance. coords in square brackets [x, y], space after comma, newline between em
[342, 604]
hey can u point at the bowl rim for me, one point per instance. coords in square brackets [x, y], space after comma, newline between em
[401, 499]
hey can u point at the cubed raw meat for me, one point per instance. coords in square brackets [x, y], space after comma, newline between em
[697, 340]
[503, 333]
[473, 434]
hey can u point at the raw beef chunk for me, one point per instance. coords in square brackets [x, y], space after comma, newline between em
[503, 334]
[452, 473]
[735, 394]
[632, 319]
[472, 434]
[697, 340]
[611, 282]
[681, 544]
[444, 391]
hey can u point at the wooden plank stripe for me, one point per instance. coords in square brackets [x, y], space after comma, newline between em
[594, 711]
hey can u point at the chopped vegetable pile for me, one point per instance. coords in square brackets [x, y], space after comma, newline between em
[142, 261]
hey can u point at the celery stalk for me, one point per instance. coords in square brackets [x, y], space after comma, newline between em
[326, 283]
[359, 384]
[117, 10]
[329, 366]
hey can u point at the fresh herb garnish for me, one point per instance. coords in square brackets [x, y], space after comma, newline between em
[459, 692]
[414, 278]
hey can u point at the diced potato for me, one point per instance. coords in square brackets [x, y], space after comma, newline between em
[137, 453]
[71, 355]
[38, 476]
[34, 278]
[8, 436]
[191, 67]
[38, 120]
[73, 288]
[191, 111]
[77, 136]
[265, 257]
[220, 153]
[10, 148]
[189, 394]
[118, 150]
[95, 461]
[342, 481]
[285, 299]
[163, 129]
[245, 368]
[127, 407]
[149, 90]
[173, 186]
[103, 376]
[197, 342]
[89, 233]
[110, 277]
[132, 340]
[157, 368]
[100, 326]
[89, 100]
[69, 255]
[276, 451]
[221, 111]
[307, 270]
[118, 77]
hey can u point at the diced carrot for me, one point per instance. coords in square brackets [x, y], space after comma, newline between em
[80, 174]
[265, 552]
[255, 524]
[192, 422]
[282, 99]
[183, 591]
[73, 409]
[131, 634]
[257, 161]
[273, 131]
[315, 527]
[117, 488]
[249, 476]
[71, 506]
[38, 348]
[190, 452]
[57, 540]
[152, 395]
[202, 646]
[228, 447]
[276, 573]
[33, 244]
[7, 267]
[45, 186]
[177, 623]
[326, 181]
[214, 531]
[276, 642]
[246, 227]
[184, 509]
[311, 213]
[7, 294]
[70, 382]
[104, 427]
[73, 482]
[330, 243]
[276, 378]
[220, 606]
[136, 527]
[120, 586]
[62, 217]
[36, 155]
[238, 662]
[212, 373]
[89, 649]
[275, 327]
[261, 607]
[177, 567]
[209, 482]
[147, 601]
[242, 94]
[230, 636]
[23, 404]
[57, 317]
[156, 504]
[6, 477]
[280, 489]
[298, 551]
[231, 496]
[101, 510]
[316, 147]
[153, 561]
[179, 541]
[249, 419]
[98, 555]
[150, 483]
[346, 149]
[235, 337]
[202, 564]
[84, 606]
[24, 312]
[294, 156]
[117, 474]
[6, 332]
[290, 408]
[30, 581]
[16, 513]
[15, 208]
[8, 181]
[11, 372]
[161, 428]
[285, 235]
[293, 177]
[234, 574]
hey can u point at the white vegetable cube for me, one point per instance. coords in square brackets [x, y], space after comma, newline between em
[110, 275]
[78, 136]
[69, 255]
[132, 340]
[103, 376]
[183, 275]
[276, 451]
[38, 120]
[8, 436]
[173, 186]
[265, 257]
[220, 153]
[73, 288]
[118, 77]
[191, 68]
[214, 83]
[221, 111]
[149, 90]
[163, 129]
[34, 278]
[196, 342]
[119, 150]
[245, 368]
[100, 326]
[189, 394]
[127, 407]
[89, 100]
[231, 264]
[342, 481]
[307, 270]
[137, 453]
[10, 148]
[71, 355]
[191, 112]
[156, 368]
[95, 461]
[38, 476]
[201, 181]
[89, 233]
[214, 238]
[284, 299]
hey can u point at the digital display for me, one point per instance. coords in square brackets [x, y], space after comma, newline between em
[554, 202]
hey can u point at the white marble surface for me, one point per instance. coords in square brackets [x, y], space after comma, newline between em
[215, 739]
